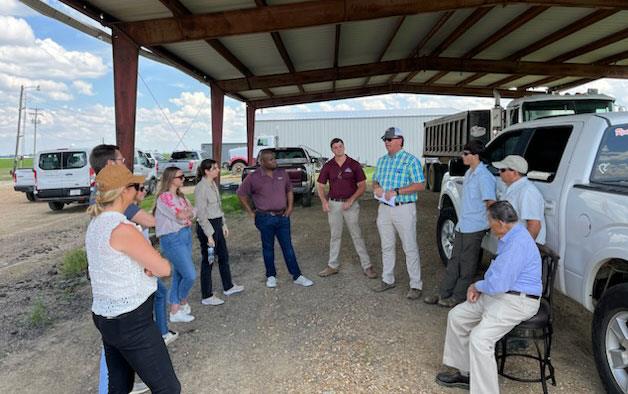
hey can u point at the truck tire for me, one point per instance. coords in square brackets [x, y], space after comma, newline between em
[237, 167]
[30, 196]
[56, 205]
[445, 227]
[306, 199]
[610, 335]
[436, 173]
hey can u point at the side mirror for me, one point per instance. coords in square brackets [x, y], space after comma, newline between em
[457, 167]
[313, 160]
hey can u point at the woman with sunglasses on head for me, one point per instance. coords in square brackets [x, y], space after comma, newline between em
[123, 268]
[211, 231]
[173, 216]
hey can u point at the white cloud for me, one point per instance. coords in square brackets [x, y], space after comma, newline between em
[15, 8]
[83, 87]
[15, 32]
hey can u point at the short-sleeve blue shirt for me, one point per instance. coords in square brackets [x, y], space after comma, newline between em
[399, 170]
[478, 187]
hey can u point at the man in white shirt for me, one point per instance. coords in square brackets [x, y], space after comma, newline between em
[523, 195]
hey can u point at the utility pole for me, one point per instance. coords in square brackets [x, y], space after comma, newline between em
[19, 122]
[35, 121]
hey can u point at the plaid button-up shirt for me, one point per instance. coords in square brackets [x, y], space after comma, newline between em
[397, 171]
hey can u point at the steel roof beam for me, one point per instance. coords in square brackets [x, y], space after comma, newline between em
[336, 51]
[580, 24]
[607, 60]
[381, 89]
[424, 63]
[307, 14]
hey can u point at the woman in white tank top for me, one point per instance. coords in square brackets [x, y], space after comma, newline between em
[122, 267]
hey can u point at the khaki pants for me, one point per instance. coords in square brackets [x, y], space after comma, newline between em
[473, 330]
[336, 217]
[400, 220]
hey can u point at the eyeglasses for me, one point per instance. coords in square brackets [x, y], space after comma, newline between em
[180, 177]
[136, 186]
[390, 139]
[505, 169]
[120, 159]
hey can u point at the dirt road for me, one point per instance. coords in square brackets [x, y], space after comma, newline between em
[335, 337]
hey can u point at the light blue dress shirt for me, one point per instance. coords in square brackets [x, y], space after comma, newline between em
[517, 266]
[478, 187]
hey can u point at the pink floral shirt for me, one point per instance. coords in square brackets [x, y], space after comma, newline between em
[166, 220]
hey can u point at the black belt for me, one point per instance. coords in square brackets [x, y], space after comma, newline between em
[272, 213]
[339, 199]
[513, 292]
[399, 203]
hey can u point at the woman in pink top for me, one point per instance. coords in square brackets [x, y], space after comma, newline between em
[173, 220]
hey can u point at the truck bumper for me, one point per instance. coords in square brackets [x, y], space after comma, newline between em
[80, 194]
[299, 189]
[24, 189]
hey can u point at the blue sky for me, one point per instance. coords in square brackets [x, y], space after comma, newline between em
[74, 72]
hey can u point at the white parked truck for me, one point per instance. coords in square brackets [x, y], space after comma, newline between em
[580, 165]
[185, 160]
[24, 181]
[444, 137]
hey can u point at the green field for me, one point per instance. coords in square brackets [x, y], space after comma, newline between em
[6, 164]
[368, 171]
[230, 202]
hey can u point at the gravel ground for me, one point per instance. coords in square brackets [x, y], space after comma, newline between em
[335, 337]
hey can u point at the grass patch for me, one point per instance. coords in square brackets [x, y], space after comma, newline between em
[38, 316]
[6, 165]
[369, 171]
[74, 263]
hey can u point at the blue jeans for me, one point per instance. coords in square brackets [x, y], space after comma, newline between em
[160, 307]
[271, 226]
[177, 248]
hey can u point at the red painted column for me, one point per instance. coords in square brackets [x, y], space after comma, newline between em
[125, 61]
[218, 105]
[250, 133]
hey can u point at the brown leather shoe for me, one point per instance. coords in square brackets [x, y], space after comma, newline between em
[449, 302]
[413, 294]
[431, 299]
[370, 273]
[328, 271]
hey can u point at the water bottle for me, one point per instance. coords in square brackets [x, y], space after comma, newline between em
[210, 254]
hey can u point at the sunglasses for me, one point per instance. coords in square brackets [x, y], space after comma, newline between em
[466, 153]
[136, 186]
[180, 177]
[390, 139]
[505, 169]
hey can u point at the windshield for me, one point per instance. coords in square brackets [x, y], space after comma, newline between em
[543, 109]
[611, 163]
[184, 155]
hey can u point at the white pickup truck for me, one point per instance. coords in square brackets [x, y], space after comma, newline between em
[185, 160]
[24, 181]
[580, 165]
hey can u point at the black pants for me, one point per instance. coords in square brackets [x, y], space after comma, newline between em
[462, 266]
[132, 344]
[220, 250]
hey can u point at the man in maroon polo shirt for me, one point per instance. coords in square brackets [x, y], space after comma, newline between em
[271, 192]
[347, 183]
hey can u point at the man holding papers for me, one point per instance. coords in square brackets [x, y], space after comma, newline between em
[397, 179]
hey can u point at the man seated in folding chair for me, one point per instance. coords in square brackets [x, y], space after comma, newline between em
[508, 295]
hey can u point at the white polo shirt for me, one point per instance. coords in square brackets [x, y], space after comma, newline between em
[529, 204]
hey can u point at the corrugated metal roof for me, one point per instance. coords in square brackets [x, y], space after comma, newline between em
[384, 113]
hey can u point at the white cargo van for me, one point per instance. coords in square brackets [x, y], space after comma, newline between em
[64, 176]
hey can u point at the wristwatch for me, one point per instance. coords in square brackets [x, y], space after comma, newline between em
[396, 191]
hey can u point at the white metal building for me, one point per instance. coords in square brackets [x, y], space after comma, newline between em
[360, 130]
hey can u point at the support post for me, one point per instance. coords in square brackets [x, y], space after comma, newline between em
[217, 107]
[125, 63]
[250, 133]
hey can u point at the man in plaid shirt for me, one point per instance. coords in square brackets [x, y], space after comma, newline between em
[398, 174]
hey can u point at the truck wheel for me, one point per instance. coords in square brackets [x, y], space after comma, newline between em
[237, 168]
[436, 173]
[306, 199]
[445, 227]
[30, 196]
[610, 339]
[56, 205]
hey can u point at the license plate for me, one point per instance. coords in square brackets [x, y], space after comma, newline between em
[75, 192]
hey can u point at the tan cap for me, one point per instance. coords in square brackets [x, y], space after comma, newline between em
[115, 176]
[513, 162]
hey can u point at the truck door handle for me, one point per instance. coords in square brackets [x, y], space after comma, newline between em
[459, 181]
[550, 208]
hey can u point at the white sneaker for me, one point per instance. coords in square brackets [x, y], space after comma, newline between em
[233, 290]
[170, 337]
[271, 282]
[187, 309]
[303, 281]
[213, 300]
[138, 388]
[181, 317]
